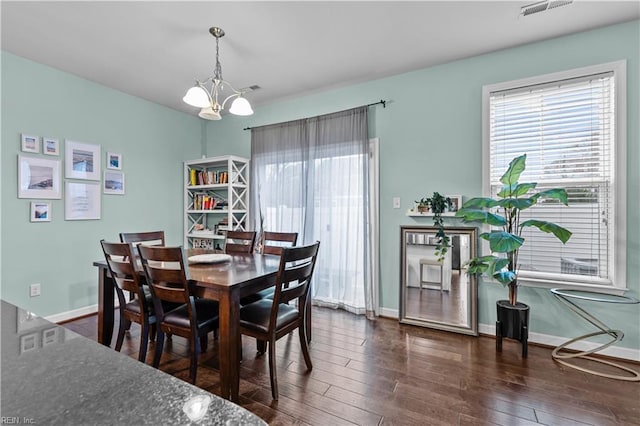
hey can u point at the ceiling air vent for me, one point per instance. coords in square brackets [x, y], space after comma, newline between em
[542, 6]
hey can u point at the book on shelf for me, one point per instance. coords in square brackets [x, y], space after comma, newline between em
[202, 201]
[207, 177]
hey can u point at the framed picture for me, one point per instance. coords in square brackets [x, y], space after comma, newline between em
[81, 201]
[51, 336]
[50, 146]
[456, 202]
[30, 143]
[28, 342]
[114, 161]
[113, 183]
[40, 211]
[38, 178]
[82, 160]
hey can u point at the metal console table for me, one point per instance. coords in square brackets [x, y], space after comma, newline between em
[616, 335]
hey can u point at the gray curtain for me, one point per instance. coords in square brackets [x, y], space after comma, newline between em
[311, 176]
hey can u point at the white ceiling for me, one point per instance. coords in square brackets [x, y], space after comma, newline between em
[155, 50]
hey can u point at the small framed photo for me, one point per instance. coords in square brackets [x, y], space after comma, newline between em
[113, 183]
[40, 211]
[82, 201]
[82, 160]
[456, 203]
[30, 143]
[28, 342]
[38, 178]
[50, 146]
[114, 161]
[50, 336]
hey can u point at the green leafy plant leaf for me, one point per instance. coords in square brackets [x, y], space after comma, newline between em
[504, 277]
[479, 203]
[518, 203]
[502, 241]
[516, 190]
[561, 233]
[473, 215]
[555, 193]
[516, 167]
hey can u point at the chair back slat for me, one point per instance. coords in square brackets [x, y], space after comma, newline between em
[123, 272]
[148, 238]
[294, 277]
[274, 242]
[240, 242]
[166, 274]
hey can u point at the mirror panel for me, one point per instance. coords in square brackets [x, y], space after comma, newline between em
[438, 294]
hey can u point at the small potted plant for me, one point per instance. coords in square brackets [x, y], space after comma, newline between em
[422, 205]
[504, 242]
[437, 204]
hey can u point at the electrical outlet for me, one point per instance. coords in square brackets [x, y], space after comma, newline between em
[396, 202]
[34, 290]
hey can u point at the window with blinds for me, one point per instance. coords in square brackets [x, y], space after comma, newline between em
[567, 128]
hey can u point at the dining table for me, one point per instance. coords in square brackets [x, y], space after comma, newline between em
[225, 282]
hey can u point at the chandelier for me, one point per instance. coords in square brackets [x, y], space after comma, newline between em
[209, 99]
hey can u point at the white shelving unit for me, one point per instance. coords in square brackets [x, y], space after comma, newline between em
[216, 199]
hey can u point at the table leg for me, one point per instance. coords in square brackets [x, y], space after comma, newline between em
[105, 307]
[229, 344]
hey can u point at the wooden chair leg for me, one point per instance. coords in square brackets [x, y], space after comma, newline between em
[152, 336]
[304, 345]
[159, 347]
[272, 368]
[144, 342]
[261, 346]
[204, 342]
[194, 346]
[124, 326]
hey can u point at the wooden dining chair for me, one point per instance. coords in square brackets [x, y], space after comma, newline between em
[239, 242]
[271, 243]
[168, 278]
[140, 310]
[149, 238]
[269, 320]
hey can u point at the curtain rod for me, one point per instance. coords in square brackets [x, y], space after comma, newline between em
[380, 102]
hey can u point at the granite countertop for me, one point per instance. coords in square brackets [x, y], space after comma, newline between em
[51, 375]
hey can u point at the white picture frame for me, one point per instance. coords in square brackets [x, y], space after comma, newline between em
[38, 178]
[456, 203]
[114, 161]
[30, 143]
[82, 201]
[50, 146]
[82, 161]
[113, 183]
[40, 211]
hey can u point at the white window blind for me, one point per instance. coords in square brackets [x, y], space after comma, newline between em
[567, 129]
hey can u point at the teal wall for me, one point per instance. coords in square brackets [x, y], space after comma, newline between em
[430, 140]
[153, 141]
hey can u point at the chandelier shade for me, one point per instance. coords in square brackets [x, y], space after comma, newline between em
[208, 100]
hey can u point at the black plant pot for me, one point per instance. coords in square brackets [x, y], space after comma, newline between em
[512, 323]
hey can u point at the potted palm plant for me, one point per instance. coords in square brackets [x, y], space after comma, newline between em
[505, 242]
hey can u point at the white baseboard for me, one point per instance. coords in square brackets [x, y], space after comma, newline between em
[389, 313]
[546, 339]
[65, 316]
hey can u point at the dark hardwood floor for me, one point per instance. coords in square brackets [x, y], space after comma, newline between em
[384, 373]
